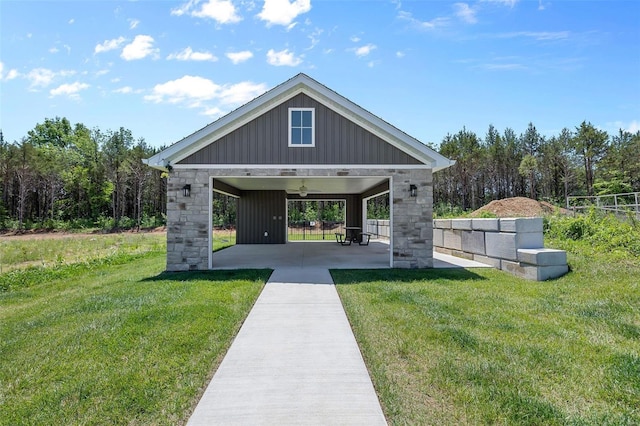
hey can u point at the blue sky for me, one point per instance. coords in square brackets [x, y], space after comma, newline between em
[164, 69]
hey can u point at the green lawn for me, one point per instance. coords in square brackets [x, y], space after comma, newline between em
[222, 240]
[115, 341]
[483, 347]
[56, 249]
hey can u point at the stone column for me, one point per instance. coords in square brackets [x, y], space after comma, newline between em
[188, 221]
[412, 219]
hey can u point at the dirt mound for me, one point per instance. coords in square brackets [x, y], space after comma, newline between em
[518, 207]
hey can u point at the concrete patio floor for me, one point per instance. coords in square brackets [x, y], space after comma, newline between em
[320, 254]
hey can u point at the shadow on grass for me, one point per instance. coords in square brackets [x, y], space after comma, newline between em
[219, 275]
[355, 276]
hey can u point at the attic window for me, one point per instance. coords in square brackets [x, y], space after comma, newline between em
[301, 127]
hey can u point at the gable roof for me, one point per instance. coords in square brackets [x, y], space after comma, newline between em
[301, 83]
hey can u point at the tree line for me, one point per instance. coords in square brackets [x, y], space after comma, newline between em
[580, 161]
[62, 175]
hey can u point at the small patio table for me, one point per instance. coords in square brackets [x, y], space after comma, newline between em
[352, 233]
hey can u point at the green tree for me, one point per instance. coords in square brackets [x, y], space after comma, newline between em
[590, 144]
[529, 168]
[464, 147]
[117, 161]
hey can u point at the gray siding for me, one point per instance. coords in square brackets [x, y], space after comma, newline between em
[256, 212]
[265, 141]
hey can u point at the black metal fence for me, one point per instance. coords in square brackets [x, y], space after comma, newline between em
[314, 230]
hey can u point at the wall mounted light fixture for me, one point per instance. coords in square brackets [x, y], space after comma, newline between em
[186, 190]
[413, 190]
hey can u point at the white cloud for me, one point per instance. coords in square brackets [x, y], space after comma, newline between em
[241, 93]
[53, 50]
[71, 21]
[13, 73]
[400, 54]
[503, 66]
[139, 48]
[222, 11]
[355, 39]
[631, 127]
[283, 58]
[124, 90]
[315, 38]
[101, 72]
[40, 77]
[364, 50]
[465, 13]
[184, 9]
[213, 112]
[183, 89]
[238, 57]
[70, 90]
[538, 35]
[283, 12]
[509, 3]
[199, 92]
[189, 55]
[133, 23]
[109, 45]
[423, 25]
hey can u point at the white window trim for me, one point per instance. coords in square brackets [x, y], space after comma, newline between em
[313, 128]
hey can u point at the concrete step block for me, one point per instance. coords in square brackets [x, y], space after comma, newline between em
[452, 239]
[442, 223]
[438, 237]
[473, 242]
[532, 272]
[542, 257]
[504, 245]
[521, 224]
[529, 240]
[493, 262]
[462, 254]
[464, 224]
[443, 250]
[485, 224]
[501, 245]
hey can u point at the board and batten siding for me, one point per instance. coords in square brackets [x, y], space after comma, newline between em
[260, 212]
[265, 141]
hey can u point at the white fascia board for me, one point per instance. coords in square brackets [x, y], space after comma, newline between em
[301, 166]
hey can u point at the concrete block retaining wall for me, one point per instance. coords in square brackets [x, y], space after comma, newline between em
[514, 245]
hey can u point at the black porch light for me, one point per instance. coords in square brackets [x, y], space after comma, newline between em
[413, 190]
[186, 190]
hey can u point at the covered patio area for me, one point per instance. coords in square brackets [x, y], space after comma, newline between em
[320, 254]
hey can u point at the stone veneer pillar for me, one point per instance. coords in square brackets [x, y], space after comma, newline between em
[188, 221]
[412, 219]
[188, 217]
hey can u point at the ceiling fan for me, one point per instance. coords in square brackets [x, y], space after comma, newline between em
[303, 191]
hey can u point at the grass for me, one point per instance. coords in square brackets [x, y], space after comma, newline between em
[223, 239]
[114, 340]
[484, 347]
[26, 251]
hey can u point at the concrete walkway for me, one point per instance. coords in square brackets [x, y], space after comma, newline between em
[295, 361]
